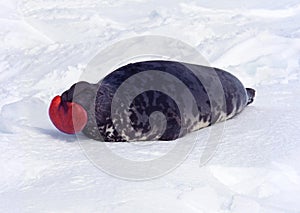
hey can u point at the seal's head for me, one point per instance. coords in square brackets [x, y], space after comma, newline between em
[66, 115]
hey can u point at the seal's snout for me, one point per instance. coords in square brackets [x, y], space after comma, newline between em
[68, 117]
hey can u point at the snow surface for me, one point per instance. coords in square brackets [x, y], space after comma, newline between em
[46, 45]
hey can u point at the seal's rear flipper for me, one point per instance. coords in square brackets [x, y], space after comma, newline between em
[251, 95]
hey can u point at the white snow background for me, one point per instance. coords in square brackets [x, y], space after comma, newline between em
[46, 44]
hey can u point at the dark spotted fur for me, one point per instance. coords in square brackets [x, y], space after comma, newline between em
[97, 100]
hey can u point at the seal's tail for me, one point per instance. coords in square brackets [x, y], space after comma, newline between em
[251, 95]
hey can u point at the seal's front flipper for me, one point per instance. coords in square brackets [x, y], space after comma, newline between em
[251, 95]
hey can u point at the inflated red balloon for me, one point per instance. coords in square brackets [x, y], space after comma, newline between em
[68, 117]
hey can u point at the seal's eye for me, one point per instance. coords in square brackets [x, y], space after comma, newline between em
[68, 117]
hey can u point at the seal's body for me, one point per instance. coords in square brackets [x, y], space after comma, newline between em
[154, 100]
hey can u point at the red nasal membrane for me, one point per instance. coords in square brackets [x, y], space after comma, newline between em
[68, 117]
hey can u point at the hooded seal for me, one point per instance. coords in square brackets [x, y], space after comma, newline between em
[150, 100]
